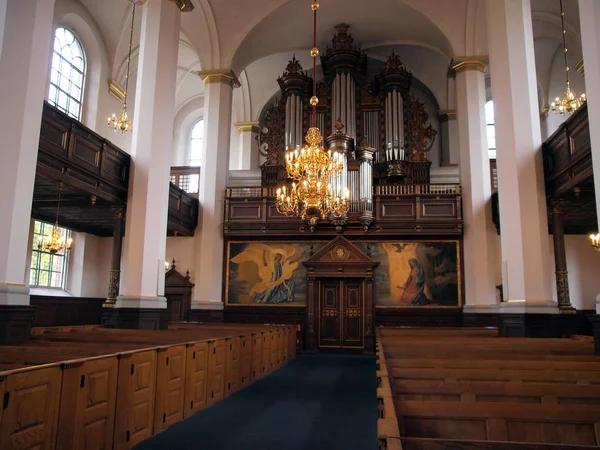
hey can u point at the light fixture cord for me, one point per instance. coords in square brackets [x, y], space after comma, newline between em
[564, 39]
[314, 108]
[129, 57]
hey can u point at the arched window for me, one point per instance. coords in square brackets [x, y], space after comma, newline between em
[491, 129]
[196, 143]
[68, 73]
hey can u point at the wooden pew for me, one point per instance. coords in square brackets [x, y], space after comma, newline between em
[105, 388]
[464, 389]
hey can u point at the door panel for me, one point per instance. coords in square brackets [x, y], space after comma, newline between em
[329, 314]
[352, 317]
[341, 322]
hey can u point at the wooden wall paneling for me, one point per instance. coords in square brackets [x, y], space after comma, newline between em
[257, 346]
[136, 388]
[216, 371]
[87, 405]
[170, 386]
[285, 345]
[2, 392]
[274, 350]
[266, 353]
[232, 365]
[31, 406]
[245, 360]
[196, 378]
[280, 340]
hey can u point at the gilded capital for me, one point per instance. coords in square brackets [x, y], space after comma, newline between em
[464, 63]
[225, 76]
[244, 127]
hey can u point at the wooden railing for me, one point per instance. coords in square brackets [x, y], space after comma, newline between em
[397, 210]
[80, 158]
[183, 212]
[567, 154]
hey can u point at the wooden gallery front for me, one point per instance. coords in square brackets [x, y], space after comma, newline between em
[393, 258]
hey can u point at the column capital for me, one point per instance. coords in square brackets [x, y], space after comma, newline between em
[464, 63]
[244, 127]
[225, 76]
[183, 5]
[557, 205]
[445, 115]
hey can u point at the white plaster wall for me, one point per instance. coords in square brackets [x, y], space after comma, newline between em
[182, 250]
[89, 266]
[583, 265]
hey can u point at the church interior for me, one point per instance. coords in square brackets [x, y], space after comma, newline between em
[325, 224]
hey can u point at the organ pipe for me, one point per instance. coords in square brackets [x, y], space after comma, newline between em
[344, 103]
[394, 126]
[293, 121]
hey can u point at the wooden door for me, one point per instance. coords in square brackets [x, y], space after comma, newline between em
[329, 314]
[341, 321]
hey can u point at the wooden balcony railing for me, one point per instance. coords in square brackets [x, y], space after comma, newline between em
[433, 209]
[567, 155]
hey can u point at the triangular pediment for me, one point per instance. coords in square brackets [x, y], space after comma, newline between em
[174, 279]
[340, 251]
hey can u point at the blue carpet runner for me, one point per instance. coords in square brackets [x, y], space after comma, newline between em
[317, 402]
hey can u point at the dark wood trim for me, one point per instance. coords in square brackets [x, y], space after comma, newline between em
[57, 311]
[136, 318]
[15, 323]
[419, 317]
[537, 325]
[594, 320]
[212, 316]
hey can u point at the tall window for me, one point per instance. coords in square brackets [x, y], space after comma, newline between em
[196, 143]
[491, 129]
[68, 73]
[47, 269]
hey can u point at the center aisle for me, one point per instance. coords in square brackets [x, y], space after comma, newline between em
[317, 402]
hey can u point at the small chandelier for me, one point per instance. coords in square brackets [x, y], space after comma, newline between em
[595, 238]
[56, 242]
[121, 122]
[311, 168]
[570, 102]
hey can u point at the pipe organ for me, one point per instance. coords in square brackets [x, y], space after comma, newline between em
[381, 129]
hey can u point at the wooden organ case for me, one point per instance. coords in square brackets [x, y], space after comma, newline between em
[375, 118]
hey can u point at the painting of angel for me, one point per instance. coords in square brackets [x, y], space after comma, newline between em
[267, 273]
[417, 273]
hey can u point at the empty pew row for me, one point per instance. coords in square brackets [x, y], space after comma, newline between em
[388, 432]
[471, 391]
[99, 388]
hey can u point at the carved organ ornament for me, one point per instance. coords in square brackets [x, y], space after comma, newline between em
[383, 130]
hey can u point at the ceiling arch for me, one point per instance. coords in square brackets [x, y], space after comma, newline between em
[393, 21]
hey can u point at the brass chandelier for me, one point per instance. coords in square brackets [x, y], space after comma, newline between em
[121, 122]
[56, 242]
[570, 102]
[311, 168]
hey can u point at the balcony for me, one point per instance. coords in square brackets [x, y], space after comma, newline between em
[568, 174]
[95, 177]
[417, 210]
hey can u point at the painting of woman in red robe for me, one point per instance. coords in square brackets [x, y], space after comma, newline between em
[413, 290]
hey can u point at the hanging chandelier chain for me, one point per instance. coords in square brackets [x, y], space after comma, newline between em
[129, 56]
[315, 8]
[564, 40]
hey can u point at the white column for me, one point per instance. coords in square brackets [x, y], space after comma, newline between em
[523, 218]
[3, 4]
[589, 17]
[26, 37]
[249, 147]
[208, 267]
[142, 284]
[479, 257]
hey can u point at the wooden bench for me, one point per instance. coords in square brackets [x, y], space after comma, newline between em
[465, 389]
[104, 388]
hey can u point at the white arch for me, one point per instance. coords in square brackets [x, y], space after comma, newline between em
[185, 118]
[73, 15]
